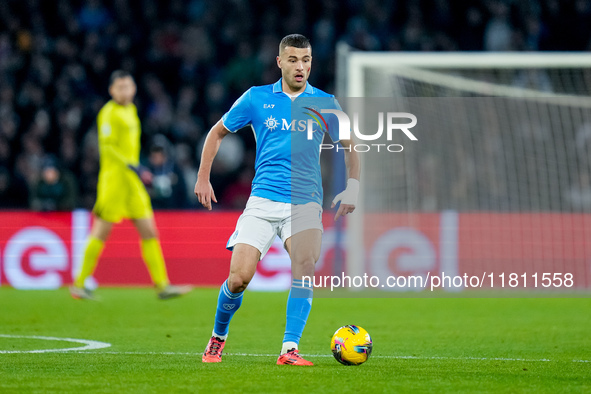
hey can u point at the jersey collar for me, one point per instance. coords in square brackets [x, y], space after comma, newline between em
[277, 87]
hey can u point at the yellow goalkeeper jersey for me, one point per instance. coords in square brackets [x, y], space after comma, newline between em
[120, 192]
[119, 136]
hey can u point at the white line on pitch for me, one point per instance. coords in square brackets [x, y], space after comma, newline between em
[95, 345]
[89, 345]
[330, 355]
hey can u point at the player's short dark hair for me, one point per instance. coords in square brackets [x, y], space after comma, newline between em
[117, 74]
[294, 40]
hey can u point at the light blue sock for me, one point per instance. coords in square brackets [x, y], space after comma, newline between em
[299, 305]
[228, 304]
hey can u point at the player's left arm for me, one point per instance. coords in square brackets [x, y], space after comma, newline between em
[109, 130]
[348, 197]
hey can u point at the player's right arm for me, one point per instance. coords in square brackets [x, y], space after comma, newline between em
[203, 189]
[237, 117]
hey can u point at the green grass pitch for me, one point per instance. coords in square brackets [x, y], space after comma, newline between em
[420, 344]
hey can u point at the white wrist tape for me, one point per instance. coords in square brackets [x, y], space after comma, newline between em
[349, 195]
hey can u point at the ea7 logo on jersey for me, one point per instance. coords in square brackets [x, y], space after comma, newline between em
[268, 105]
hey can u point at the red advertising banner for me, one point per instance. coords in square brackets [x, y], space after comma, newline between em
[44, 250]
[491, 248]
[35, 249]
[193, 244]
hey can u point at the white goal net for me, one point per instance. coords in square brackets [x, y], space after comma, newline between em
[500, 177]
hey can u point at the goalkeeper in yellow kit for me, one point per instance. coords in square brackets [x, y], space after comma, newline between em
[121, 193]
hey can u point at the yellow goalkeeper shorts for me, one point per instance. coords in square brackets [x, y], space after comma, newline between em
[121, 196]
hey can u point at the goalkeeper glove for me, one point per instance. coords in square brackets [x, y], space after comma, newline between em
[142, 172]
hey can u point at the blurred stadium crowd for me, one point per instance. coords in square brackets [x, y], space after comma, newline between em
[191, 60]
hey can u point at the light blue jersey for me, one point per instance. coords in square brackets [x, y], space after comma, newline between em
[287, 166]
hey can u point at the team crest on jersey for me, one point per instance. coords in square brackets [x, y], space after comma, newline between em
[106, 130]
[271, 123]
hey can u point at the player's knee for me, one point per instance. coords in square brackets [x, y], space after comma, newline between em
[148, 232]
[238, 282]
[305, 265]
[101, 230]
[102, 235]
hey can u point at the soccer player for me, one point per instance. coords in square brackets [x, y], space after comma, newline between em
[120, 192]
[275, 207]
